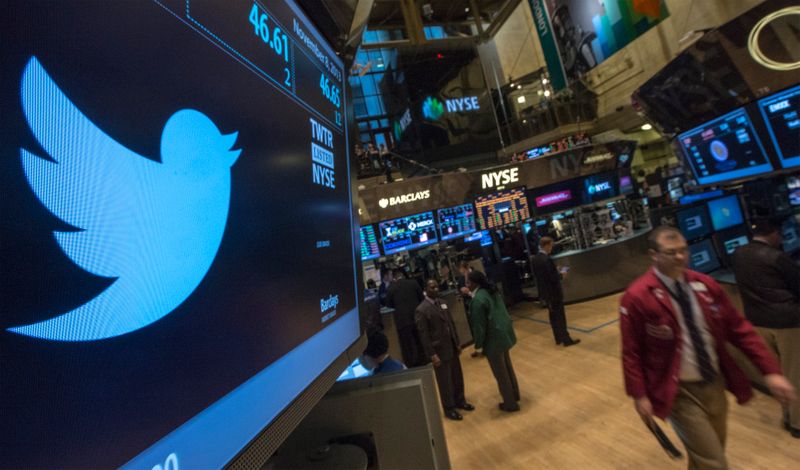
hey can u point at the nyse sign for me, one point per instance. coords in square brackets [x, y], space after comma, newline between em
[499, 178]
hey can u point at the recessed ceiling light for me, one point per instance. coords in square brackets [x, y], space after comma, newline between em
[544, 81]
[520, 99]
[547, 93]
[519, 87]
[647, 127]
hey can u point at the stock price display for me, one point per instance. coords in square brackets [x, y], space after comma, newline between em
[409, 232]
[502, 208]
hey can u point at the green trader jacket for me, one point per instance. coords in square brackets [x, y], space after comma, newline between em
[491, 324]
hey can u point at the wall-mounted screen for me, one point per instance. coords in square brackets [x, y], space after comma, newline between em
[781, 113]
[599, 187]
[703, 258]
[409, 232]
[724, 149]
[725, 212]
[502, 208]
[556, 197]
[163, 302]
[369, 243]
[626, 184]
[474, 237]
[694, 222]
[456, 221]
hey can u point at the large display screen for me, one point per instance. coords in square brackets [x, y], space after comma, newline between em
[502, 208]
[599, 187]
[369, 243]
[703, 258]
[725, 212]
[556, 197]
[693, 222]
[409, 232]
[456, 221]
[782, 116]
[178, 256]
[725, 148]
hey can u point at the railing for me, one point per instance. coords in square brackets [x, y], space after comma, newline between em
[547, 119]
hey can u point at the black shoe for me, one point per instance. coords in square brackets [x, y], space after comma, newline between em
[509, 408]
[476, 354]
[571, 342]
[454, 415]
[466, 407]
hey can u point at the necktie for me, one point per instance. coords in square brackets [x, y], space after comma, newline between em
[703, 360]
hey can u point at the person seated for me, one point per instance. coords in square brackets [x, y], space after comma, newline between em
[376, 356]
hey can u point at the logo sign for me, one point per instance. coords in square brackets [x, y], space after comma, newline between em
[327, 304]
[497, 178]
[599, 187]
[553, 198]
[598, 158]
[321, 155]
[432, 109]
[459, 105]
[404, 199]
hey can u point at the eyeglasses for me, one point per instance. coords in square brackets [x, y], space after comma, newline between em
[674, 252]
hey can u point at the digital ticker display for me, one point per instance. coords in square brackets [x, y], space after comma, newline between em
[724, 149]
[502, 208]
[405, 233]
[369, 243]
[781, 113]
[456, 221]
[177, 228]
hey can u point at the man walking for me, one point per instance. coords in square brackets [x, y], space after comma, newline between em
[403, 296]
[548, 280]
[675, 323]
[769, 281]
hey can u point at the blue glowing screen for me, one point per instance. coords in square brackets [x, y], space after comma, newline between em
[725, 212]
[781, 113]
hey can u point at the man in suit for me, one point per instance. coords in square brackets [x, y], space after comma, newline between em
[403, 296]
[675, 323]
[441, 345]
[548, 280]
[769, 281]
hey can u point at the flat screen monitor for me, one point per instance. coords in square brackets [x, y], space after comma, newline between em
[474, 237]
[369, 243]
[791, 236]
[724, 149]
[781, 113]
[502, 208]
[731, 239]
[694, 222]
[486, 238]
[557, 197]
[406, 233]
[692, 198]
[600, 187]
[703, 258]
[626, 184]
[793, 185]
[725, 212]
[456, 221]
[180, 266]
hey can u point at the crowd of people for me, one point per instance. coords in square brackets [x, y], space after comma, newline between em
[374, 161]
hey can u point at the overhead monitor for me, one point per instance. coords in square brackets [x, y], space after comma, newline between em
[600, 187]
[406, 233]
[724, 149]
[502, 208]
[177, 240]
[781, 113]
[369, 243]
[556, 197]
[694, 222]
[456, 221]
[725, 212]
[703, 258]
[626, 184]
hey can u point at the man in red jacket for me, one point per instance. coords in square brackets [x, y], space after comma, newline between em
[675, 323]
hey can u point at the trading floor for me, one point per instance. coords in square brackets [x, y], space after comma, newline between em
[575, 414]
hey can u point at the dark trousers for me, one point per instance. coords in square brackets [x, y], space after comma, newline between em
[450, 380]
[407, 336]
[558, 321]
[503, 371]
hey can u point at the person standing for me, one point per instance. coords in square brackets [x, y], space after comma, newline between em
[674, 324]
[769, 281]
[548, 280]
[403, 295]
[441, 345]
[494, 334]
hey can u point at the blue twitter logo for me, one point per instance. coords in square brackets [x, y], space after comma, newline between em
[154, 227]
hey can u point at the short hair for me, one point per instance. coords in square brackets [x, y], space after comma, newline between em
[660, 231]
[767, 226]
[545, 241]
[398, 273]
[377, 344]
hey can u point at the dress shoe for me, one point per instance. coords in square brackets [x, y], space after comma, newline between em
[476, 354]
[454, 415]
[508, 408]
[466, 407]
[571, 342]
[793, 431]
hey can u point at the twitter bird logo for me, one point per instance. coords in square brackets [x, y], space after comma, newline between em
[154, 227]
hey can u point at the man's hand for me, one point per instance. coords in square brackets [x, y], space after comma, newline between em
[645, 409]
[780, 388]
[436, 361]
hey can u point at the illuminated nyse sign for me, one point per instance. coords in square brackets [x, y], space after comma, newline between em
[599, 187]
[497, 178]
[432, 108]
[322, 155]
[404, 199]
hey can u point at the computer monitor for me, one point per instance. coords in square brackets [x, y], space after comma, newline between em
[599, 187]
[791, 235]
[405, 233]
[703, 258]
[369, 243]
[502, 208]
[781, 113]
[729, 240]
[456, 221]
[793, 185]
[697, 197]
[724, 149]
[725, 212]
[180, 258]
[694, 222]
